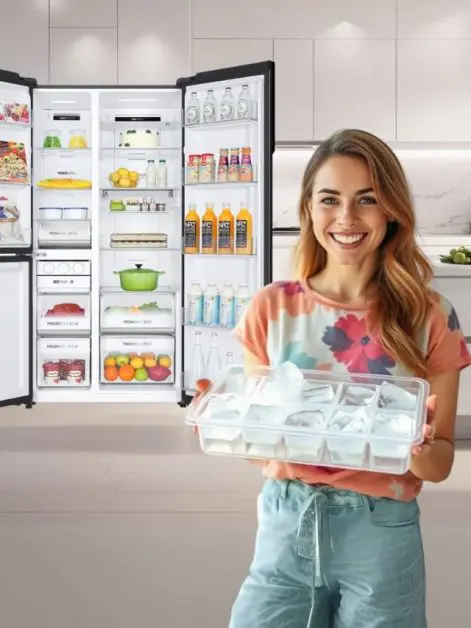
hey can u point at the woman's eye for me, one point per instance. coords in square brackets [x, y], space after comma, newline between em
[367, 200]
[329, 200]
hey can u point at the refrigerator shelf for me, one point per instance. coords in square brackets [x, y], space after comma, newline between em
[155, 249]
[134, 212]
[16, 184]
[14, 125]
[228, 184]
[121, 125]
[231, 255]
[68, 151]
[116, 290]
[127, 191]
[222, 124]
[137, 151]
[205, 326]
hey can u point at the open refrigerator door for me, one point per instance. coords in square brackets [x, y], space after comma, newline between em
[227, 205]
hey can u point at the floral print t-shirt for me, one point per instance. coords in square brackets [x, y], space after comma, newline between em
[289, 321]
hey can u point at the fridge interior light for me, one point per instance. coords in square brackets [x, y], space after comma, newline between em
[64, 102]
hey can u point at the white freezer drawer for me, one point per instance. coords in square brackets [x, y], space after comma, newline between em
[64, 267]
[57, 315]
[67, 283]
[136, 312]
[63, 362]
[137, 360]
[62, 233]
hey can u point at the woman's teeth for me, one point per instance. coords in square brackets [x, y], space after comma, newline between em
[350, 238]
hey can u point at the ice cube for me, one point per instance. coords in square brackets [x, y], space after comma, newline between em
[396, 398]
[285, 383]
[357, 395]
[309, 419]
[267, 415]
[393, 424]
[316, 391]
[225, 407]
[355, 421]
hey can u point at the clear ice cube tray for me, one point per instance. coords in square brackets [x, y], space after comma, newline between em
[351, 421]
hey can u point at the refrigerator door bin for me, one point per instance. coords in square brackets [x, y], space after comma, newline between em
[63, 362]
[65, 316]
[137, 360]
[137, 312]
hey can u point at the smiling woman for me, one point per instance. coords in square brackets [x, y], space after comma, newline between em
[362, 304]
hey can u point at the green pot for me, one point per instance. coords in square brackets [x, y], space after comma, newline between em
[139, 279]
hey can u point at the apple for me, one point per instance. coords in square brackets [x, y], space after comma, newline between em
[141, 375]
[158, 373]
[121, 360]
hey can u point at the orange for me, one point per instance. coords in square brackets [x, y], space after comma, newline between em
[126, 373]
[111, 373]
[110, 361]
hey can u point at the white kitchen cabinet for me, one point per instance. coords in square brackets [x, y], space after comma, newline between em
[153, 51]
[209, 54]
[433, 93]
[306, 19]
[25, 22]
[434, 19]
[294, 86]
[283, 250]
[83, 56]
[354, 86]
[84, 14]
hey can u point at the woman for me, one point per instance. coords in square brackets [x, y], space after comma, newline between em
[342, 548]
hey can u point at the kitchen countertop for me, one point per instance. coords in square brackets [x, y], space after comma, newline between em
[451, 270]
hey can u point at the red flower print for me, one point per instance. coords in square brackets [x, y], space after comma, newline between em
[351, 345]
[290, 287]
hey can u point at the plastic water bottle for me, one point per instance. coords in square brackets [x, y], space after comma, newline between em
[242, 298]
[193, 110]
[227, 313]
[209, 107]
[211, 305]
[195, 304]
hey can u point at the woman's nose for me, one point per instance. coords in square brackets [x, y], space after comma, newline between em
[347, 213]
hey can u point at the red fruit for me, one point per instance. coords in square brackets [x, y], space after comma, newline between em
[158, 373]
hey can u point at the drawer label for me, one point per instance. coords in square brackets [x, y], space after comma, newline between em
[137, 343]
[141, 321]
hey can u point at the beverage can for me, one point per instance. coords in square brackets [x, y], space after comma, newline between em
[195, 304]
[211, 305]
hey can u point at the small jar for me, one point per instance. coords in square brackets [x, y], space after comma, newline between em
[207, 172]
[51, 372]
[192, 169]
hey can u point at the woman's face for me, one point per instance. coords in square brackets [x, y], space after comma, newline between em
[348, 221]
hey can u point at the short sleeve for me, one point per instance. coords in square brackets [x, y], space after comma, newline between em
[447, 348]
[252, 330]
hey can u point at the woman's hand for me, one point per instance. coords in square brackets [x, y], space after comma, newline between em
[429, 429]
[202, 386]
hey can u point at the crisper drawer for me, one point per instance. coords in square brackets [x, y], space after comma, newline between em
[63, 362]
[57, 315]
[65, 233]
[67, 283]
[138, 360]
[137, 312]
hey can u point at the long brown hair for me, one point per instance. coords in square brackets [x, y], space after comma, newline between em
[401, 284]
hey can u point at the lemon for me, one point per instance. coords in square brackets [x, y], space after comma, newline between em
[114, 176]
[124, 182]
[123, 172]
[134, 176]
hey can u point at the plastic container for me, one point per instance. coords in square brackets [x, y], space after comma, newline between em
[75, 213]
[50, 213]
[355, 421]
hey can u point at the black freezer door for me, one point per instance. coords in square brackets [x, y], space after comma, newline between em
[261, 77]
[16, 200]
[16, 330]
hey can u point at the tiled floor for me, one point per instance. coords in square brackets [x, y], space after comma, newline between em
[111, 518]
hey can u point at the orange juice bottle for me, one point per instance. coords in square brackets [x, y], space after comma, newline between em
[244, 231]
[192, 230]
[226, 230]
[209, 231]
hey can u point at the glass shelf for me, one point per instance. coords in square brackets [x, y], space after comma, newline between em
[116, 290]
[231, 255]
[69, 151]
[14, 125]
[222, 124]
[136, 190]
[222, 184]
[204, 326]
[135, 212]
[121, 125]
[136, 151]
[15, 184]
[124, 249]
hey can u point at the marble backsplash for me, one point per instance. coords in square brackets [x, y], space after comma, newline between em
[440, 180]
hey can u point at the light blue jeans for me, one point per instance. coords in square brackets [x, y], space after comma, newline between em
[327, 558]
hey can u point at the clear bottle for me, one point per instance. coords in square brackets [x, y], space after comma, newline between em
[193, 110]
[209, 107]
[229, 358]
[227, 311]
[214, 366]
[227, 110]
[195, 304]
[162, 174]
[151, 174]
[211, 305]
[198, 364]
[242, 298]
[244, 104]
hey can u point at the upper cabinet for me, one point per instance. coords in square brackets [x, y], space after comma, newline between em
[84, 14]
[153, 51]
[354, 87]
[434, 19]
[304, 19]
[210, 54]
[294, 85]
[433, 90]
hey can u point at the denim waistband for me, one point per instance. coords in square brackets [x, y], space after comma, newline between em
[334, 497]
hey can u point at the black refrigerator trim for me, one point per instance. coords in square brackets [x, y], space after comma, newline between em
[267, 69]
[26, 400]
[15, 79]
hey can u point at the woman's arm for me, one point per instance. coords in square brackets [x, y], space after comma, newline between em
[436, 462]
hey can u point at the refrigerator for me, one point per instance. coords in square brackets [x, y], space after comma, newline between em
[135, 225]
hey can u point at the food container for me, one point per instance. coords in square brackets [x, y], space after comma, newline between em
[193, 169]
[51, 372]
[50, 213]
[139, 279]
[78, 139]
[355, 421]
[207, 170]
[75, 213]
[52, 139]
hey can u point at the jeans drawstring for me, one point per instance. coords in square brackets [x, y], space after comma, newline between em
[317, 508]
